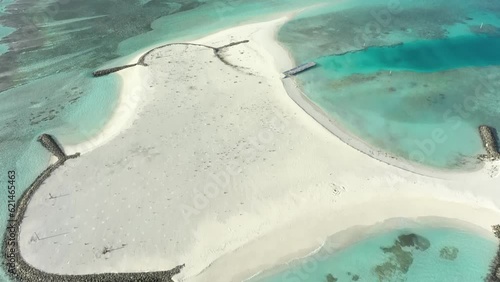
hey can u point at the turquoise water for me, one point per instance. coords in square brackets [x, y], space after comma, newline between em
[427, 254]
[420, 56]
[415, 81]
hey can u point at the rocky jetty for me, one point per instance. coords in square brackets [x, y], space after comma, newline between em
[31, 274]
[142, 59]
[494, 274]
[52, 146]
[490, 143]
[217, 49]
[299, 69]
[111, 70]
[20, 270]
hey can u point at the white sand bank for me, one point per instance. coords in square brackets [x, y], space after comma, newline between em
[132, 97]
[219, 167]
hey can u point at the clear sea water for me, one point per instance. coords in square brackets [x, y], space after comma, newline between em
[414, 79]
[48, 50]
[439, 255]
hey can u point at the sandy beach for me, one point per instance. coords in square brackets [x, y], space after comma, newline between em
[218, 168]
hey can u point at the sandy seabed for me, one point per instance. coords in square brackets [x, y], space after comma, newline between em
[221, 169]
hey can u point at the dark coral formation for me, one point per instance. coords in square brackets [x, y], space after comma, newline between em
[449, 253]
[494, 274]
[52, 146]
[487, 29]
[401, 256]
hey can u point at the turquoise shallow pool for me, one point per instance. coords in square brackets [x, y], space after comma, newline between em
[414, 80]
[411, 255]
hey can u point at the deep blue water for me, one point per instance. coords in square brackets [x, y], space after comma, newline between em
[419, 56]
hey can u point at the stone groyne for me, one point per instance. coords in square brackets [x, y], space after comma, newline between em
[52, 146]
[298, 69]
[218, 54]
[111, 70]
[231, 44]
[142, 59]
[488, 137]
[494, 274]
[217, 50]
[21, 271]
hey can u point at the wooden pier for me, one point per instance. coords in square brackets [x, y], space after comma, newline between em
[299, 69]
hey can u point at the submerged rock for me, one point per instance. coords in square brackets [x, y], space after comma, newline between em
[449, 253]
[399, 262]
[401, 257]
[330, 278]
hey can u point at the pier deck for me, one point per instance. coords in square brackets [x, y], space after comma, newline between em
[299, 69]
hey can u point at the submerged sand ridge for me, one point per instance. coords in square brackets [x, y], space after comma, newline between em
[221, 168]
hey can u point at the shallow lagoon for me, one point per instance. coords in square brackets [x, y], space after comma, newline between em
[419, 56]
[422, 101]
[415, 83]
[411, 254]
